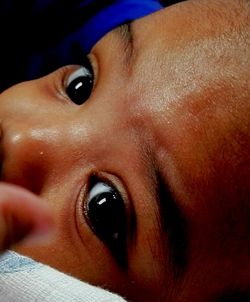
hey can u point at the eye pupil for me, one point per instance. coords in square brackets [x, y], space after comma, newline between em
[79, 90]
[106, 215]
[106, 212]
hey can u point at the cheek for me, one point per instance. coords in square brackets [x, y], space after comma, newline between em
[219, 246]
[207, 186]
[73, 249]
[61, 250]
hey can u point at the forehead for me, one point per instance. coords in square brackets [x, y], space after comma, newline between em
[184, 77]
[187, 49]
[187, 62]
[191, 23]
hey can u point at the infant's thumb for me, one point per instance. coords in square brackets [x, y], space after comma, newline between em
[22, 214]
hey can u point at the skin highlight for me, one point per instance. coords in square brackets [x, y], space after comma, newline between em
[175, 105]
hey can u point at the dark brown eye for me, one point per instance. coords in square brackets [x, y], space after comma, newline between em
[106, 214]
[80, 83]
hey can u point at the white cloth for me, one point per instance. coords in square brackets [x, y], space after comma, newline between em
[24, 280]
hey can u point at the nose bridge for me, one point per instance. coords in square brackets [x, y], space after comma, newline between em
[27, 121]
[29, 153]
[43, 136]
[32, 141]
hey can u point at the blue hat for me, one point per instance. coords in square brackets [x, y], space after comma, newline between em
[95, 18]
[58, 32]
[111, 16]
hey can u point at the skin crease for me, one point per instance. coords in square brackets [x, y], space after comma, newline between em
[178, 103]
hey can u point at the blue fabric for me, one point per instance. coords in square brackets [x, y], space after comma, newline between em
[90, 32]
[11, 262]
[119, 12]
[57, 33]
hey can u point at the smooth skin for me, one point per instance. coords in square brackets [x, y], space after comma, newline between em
[172, 102]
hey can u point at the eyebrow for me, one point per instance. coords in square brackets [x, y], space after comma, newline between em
[174, 224]
[125, 33]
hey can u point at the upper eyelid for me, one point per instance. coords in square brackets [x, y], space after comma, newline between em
[65, 73]
[111, 181]
[76, 73]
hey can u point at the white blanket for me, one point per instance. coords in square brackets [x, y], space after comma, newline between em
[24, 280]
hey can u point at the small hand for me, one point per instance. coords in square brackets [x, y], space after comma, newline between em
[23, 215]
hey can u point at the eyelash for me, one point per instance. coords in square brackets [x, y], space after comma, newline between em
[112, 232]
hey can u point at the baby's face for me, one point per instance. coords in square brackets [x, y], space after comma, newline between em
[146, 168]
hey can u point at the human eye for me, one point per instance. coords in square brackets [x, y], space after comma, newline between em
[79, 84]
[105, 213]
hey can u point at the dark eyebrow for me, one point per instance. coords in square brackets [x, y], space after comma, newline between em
[174, 224]
[172, 221]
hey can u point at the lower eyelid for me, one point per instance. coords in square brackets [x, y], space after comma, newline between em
[83, 230]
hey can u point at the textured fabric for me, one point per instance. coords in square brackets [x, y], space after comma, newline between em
[22, 279]
[39, 36]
